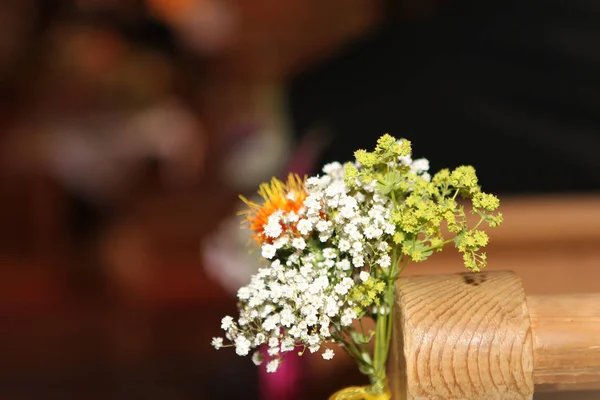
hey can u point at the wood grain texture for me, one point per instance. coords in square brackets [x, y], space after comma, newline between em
[461, 336]
[566, 341]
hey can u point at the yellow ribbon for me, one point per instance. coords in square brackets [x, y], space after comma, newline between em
[359, 393]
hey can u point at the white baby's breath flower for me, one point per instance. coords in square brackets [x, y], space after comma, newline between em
[299, 243]
[311, 320]
[348, 316]
[323, 225]
[384, 261]
[291, 217]
[333, 168]
[328, 354]
[304, 226]
[268, 251]
[226, 323]
[314, 348]
[344, 265]
[358, 261]
[257, 358]
[273, 342]
[389, 228]
[371, 232]
[364, 276]
[281, 242]
[217, 342]
[259, 339]
[357, 246]
[273, 365]
[273, 227]
[344, 245]
[242, 345]
[287, 345]
[323, 237]
[329, 253]
[244, 293]
[419, 166]
[273, 351]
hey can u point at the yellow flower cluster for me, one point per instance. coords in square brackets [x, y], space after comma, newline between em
[427, 211]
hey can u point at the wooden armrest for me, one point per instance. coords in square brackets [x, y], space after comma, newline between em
[478, 336]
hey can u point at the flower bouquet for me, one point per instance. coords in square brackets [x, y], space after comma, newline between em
[333, 245]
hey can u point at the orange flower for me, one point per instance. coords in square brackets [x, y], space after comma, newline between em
[278, 196]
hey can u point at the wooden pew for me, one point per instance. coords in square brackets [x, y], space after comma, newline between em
[478, 336]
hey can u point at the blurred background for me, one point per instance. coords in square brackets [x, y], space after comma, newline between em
[129, 127]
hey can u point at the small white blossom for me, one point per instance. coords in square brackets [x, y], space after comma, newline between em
[268, 251]
[287, 345]
[358, 261]
[344, 265]
[333, 168]
[259, 339]
[299, 243]
[291, 217]
[314, 348]
[311, 320]
[273, 365]
[389, 228]
[329, 253]
[323, 225]
[281, 242]
[273, 227]
[357, 246]
[384, 261]
[419, 166]
[323, 237]
[336, 188]
[304, 226]
[328, 354]
[344, 245]
[372, 232]
[364, 276]
[226, 323]
[257, 358]
[217, 342]
[348, 316]
[242, 345]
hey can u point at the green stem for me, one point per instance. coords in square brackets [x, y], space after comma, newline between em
[353, 351]
[455, 194]
[479, 223]
[383, 331]
[445, 242]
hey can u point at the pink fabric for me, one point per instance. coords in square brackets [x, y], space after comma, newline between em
[283, 384]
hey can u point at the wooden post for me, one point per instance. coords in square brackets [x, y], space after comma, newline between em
[477, 336]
